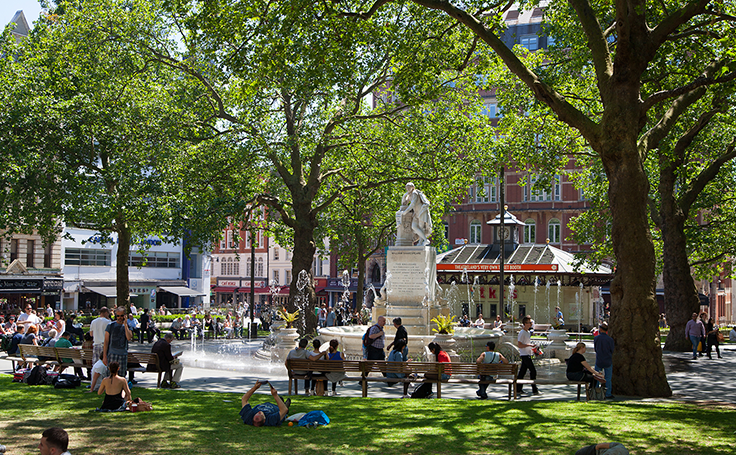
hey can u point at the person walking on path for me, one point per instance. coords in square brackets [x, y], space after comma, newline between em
[377, 334]
[117, 336]
[712, 330]
[524, 342]
[604, 347]
[694, 331]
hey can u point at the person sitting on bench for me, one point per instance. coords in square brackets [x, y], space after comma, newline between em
[490, 356]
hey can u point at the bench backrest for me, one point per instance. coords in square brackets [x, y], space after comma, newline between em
[143, 357]
[87, 356]
[324, 366]
[420, 368]
[486, 369]
[68, 353]
[28, 350]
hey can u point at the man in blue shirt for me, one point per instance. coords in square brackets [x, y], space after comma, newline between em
[604, 347]
[264, 414]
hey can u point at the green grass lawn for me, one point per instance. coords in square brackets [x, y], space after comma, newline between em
[187, 422]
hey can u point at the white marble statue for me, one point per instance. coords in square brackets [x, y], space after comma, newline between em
[413, 219]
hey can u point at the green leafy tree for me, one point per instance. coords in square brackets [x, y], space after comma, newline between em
[293, 82]
[616, 46]
[99, 126]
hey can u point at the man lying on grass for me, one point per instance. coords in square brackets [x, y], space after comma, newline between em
[267, 414]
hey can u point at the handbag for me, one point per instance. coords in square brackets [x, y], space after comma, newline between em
[720, 337]
[700, 346]
[596, 394]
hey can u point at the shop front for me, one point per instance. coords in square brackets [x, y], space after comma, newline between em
[16, 291]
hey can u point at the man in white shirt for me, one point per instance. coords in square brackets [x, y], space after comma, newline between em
[29, 319]
[480, 323]
[49, 311]
[97, 328]
[133, 310]
[524, 342]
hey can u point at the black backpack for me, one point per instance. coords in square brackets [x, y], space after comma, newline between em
[423, 390]
[37, 376]
[368, 341]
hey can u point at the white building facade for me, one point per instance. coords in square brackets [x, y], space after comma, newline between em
[160, 274]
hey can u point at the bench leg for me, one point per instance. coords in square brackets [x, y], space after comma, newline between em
[439, 389]
[364, 387]
[289, 386]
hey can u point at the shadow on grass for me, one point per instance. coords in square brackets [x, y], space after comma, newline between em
[208, 423]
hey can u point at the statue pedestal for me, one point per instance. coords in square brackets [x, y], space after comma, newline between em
[411, 294]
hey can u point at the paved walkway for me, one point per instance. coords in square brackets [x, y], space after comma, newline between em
[691, 380]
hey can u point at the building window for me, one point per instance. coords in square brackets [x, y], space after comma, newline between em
[247, 268]
[317, 267]
[247, 240]
[48, 252]
[232, 239]
[530, 42]
[195, 265]
[259, 267]
[475, 232]
[530, 231]
[276, 254]
[79, 256]
[490, 109]
[156, 259]
[276, 277]
[553, 230]
[485, 189]
[447, 230]
[30, 249]
[538, 193]
[223, 241]
[13, 250]
[288, 277]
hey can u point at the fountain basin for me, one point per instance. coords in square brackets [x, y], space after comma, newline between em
[467, 340]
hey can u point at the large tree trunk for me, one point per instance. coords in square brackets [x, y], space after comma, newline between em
[304, 249]
[637, 362]
[680, 295]
[123, 282]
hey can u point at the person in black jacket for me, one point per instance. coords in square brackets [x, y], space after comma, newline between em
[167, 362]
[401, 334]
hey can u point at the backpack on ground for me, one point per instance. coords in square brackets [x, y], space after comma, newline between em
[367, 340]
[313, 419]
[20, 374]
[37, 376]
[73, 379]
[423, 390]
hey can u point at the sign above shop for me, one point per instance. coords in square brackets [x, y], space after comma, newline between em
[497, 267]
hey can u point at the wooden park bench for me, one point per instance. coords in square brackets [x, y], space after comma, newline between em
[145, 359]
[352, 369]
[365, 371]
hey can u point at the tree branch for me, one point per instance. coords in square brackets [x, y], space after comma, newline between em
[596, 42]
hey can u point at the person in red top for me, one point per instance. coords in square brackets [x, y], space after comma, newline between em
[442, 357]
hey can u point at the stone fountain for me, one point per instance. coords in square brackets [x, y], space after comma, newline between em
[411, 292]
